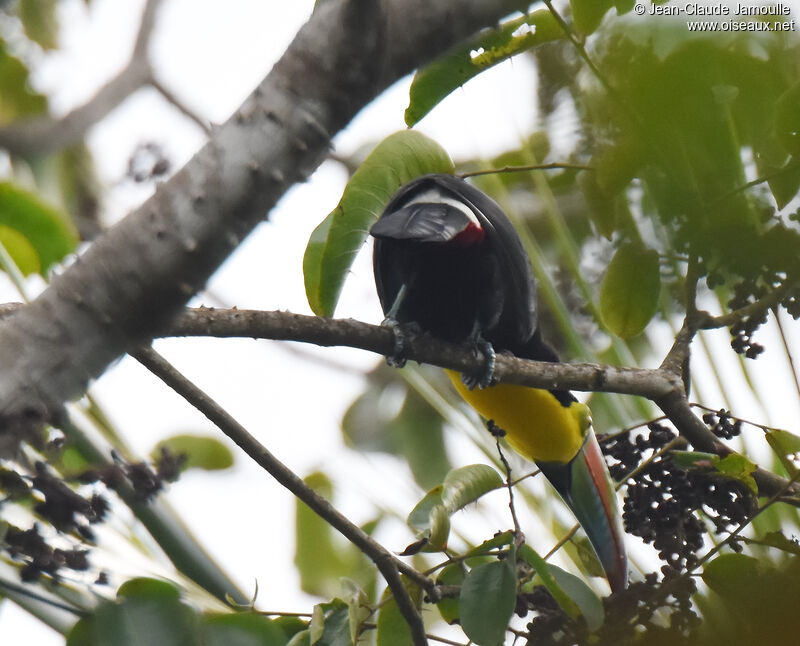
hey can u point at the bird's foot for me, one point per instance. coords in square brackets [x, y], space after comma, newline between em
[400, 332]
[486, 377]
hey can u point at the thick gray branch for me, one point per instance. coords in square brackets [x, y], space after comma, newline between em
[138, 274]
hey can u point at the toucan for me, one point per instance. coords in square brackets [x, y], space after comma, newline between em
[448, 261]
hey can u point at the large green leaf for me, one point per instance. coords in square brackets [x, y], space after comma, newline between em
[487, 600]
[333, 245]
[46, 229]
[146, 612]
[433, 83]
[629, 291]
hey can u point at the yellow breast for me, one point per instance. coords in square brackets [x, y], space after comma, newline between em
[537, 425]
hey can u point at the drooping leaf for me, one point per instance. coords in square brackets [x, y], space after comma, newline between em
[334, 244]
[465, 485]
[591, 606]
[487, 600]
[629, 292]
[542, 568]
[46, 230]
[433, 83]
[201, 452]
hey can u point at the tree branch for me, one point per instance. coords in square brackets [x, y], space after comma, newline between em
[42, 135]
[287, 326]
[389, 566]
[138, 274]
[663, 385]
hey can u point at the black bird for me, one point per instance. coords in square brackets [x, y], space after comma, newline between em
[448, 260]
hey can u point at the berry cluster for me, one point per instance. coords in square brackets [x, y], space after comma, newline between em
[639, 609]
[722, 424]
[70, 511]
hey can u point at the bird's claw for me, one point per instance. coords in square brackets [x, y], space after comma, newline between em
[397, 359]
[486, 377]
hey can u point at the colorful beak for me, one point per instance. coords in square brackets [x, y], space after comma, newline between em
[586, 487]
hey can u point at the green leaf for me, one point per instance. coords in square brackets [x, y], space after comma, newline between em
[588, 14]
[487, 600]
[22, 253]
[739, 468]
[392, 628]
[732, 576]
[415, 431]
[542, 568]
[322, 556]
[629, 292]
[785, 183]
[40, 22]
[146, 612]
[590, 605]
[16, 97]
[241, 629]
[452, 574]
[431, 520]
[333, 245]
[500, 539]
[46, 229]
[465, 485]
[318, 557]
[207, 453]
[693, 459]
[330, 624]
[358, 607]
[433, 83]
[778, 540]
[420, 517]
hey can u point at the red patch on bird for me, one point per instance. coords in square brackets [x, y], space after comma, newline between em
[471, 234]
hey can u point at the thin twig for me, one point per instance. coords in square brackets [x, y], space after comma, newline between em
[497, 433]
[520, 169]
[788, 351]
[389, 566]
[706, 321]
[179, 104]
[44, 134]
